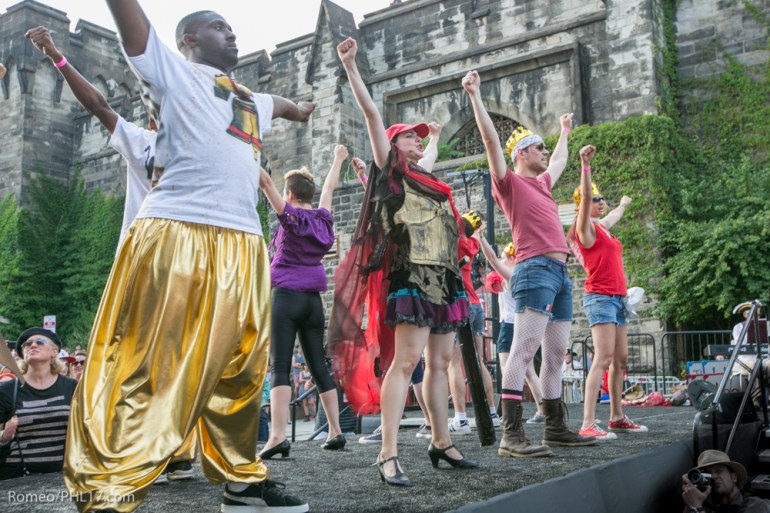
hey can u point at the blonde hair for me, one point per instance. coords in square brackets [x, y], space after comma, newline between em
[57, 366]
[300, 182]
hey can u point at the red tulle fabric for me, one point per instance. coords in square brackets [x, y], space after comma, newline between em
[361, 284]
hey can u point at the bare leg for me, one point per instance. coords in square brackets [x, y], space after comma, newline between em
[438, 356]
[486, 377]
[421, 401]
[410, 343]
[332, 408]
[617, 369]
[603, 336]
[456, 379]
[280, 396]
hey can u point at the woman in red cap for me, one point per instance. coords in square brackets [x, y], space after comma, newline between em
[403, 261]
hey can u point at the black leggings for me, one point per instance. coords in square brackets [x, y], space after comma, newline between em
[298, 313]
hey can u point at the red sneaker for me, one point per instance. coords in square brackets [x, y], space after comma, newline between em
[624, 425]
[600, 434]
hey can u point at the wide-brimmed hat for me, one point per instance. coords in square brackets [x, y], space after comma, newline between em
[746, 305]
[32, 332]
[714, 457]
[634, 392]
[393, 130]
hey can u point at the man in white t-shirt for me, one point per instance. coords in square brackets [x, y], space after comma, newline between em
[180, 341]
[137, 146]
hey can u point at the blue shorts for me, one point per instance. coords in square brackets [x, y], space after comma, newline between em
[542, 284]
[476, 319]
[505, 337]
[600, 309]
[418, 374]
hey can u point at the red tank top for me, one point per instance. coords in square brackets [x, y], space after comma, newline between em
[604, 263]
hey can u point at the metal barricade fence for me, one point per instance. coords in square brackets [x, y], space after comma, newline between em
[680, 347]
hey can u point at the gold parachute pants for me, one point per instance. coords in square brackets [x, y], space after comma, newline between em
[180, 343]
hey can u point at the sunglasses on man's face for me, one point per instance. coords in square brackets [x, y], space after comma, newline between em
[38, 341]
[597, 199]
[538, 147]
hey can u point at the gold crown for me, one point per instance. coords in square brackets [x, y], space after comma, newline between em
[517, 135]
[576, 194]
[473, 218]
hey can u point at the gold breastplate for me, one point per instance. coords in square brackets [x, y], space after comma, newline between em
[432, 230]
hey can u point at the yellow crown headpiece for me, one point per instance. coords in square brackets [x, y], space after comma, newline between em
[509, 249]
[594, 192]
[520, 138]
[473, 218]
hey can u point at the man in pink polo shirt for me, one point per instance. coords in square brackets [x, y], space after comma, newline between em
[542, 290]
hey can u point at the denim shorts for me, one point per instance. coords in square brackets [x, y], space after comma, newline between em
[476, 318]
[542, 284]
[505, 337]
[600, 309]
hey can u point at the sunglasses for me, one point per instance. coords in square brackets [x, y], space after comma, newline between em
[538, 147]
[38, 341]
[597, 199]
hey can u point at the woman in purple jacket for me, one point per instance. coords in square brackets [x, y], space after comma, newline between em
[304, 236]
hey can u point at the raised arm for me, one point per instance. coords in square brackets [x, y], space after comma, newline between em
[495, 156]
[497, 264]
[88, 95]
[271, 192]
[133, 25]
[346, 51]
[333, 177]
[559, 156]
[614, 216]
[584, 228]
[359, 166]
[287, 109]
[430, 154]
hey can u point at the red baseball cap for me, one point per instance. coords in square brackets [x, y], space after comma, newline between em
[394, 130]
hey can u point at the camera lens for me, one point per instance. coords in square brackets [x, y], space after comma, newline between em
[699, 479]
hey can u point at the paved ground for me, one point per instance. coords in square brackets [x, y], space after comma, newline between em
[346, 481]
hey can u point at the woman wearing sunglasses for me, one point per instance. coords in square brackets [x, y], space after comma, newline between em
[36, 414]
[601, 254]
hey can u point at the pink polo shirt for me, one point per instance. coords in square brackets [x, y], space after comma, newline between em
[531, 211]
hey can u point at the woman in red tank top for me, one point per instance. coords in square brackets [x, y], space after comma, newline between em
[605, 289]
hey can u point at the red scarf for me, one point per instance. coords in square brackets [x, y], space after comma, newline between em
[361, 280]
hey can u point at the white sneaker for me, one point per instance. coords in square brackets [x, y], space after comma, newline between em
[496, 420]
[459, 427]
[537, 418]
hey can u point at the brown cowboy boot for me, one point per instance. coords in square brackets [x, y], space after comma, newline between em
[556, 431]
[514, 443]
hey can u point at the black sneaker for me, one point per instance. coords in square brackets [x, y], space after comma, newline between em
[179, 470]
[265, 497]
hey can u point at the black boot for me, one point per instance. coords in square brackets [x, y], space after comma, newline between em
[515, 443]
[556, 431]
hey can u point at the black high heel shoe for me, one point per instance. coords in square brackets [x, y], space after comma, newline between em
[398, 479]
[282, 448]
[436, 454]
[335, 444]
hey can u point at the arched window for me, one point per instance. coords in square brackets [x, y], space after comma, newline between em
[470, 138]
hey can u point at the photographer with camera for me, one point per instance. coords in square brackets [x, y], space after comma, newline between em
[715, 486]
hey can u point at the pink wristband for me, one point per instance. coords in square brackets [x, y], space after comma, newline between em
[363, 178]
[565, 130]
[61, 63]
[586, 169]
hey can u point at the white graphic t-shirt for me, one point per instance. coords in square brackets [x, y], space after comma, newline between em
[209, 141]
[137, 146]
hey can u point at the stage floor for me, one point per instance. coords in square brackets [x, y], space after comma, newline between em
[347, 481]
